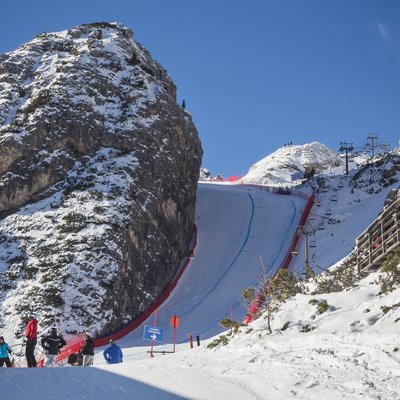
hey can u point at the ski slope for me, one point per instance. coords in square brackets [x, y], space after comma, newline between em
[236, 226]
[349, 355]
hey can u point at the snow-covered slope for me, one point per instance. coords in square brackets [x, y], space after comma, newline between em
[290, 163]
[345, 206]
[345, 352]
[349, 355]
[236, 227]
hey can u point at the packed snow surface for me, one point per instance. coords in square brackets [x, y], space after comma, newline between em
[236, 227]
[348, 353]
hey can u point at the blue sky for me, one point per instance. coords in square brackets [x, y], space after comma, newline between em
[256, 74]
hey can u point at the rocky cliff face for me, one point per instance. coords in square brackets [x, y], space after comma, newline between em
[98, 172]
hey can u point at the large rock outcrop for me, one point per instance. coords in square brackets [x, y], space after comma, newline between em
[98, 174]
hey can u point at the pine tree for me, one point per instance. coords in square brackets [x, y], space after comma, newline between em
[183, 104]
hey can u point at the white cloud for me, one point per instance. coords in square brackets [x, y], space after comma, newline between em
[384, 30]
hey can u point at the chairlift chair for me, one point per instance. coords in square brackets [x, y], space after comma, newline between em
[313, 243]
[328, 210]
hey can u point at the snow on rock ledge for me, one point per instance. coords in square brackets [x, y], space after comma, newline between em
[98, 172]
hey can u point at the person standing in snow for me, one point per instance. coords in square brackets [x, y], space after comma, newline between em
[5, 350]
[113, 353]
[87, 350]
[31, 340]
[52, 344]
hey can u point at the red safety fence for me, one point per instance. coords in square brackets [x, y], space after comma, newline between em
[293, 246]
[255, 306]
[234, 178]
[75, 344]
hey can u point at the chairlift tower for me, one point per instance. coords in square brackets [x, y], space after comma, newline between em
[346, 147]
[306, 231]
[372, 137]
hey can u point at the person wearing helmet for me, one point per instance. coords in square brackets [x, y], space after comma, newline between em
[31, 340]
[113, 353]
[52, 344]
[4, 352]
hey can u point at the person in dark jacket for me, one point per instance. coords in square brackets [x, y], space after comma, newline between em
[113, 353]
[31, 340]
[87, 350]
[5, 350]
[52, 345]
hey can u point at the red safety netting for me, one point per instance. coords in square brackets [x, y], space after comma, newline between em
[234, 178]
[73, 346]
[255, 306]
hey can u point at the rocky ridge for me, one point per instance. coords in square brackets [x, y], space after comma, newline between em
[98, 173]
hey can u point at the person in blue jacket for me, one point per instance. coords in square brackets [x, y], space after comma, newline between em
[113, 353]
[4, 352]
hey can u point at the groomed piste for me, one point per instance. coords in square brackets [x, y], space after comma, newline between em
[241, 229]
[236, 227]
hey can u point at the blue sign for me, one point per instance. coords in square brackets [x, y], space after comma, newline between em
[153, 333]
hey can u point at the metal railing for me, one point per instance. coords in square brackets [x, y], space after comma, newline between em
[381, 237]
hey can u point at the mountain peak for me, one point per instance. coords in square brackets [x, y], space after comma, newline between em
[291, 162]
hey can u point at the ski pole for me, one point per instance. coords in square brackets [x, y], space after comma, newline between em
[17, 354]
[15, 362]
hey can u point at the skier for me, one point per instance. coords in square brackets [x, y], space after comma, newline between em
[4, 352]
[87, 350]
[113, 353]
[52, 344]
[31, 340]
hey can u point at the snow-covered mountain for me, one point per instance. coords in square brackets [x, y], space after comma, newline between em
[291, 163]
[98, 174]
